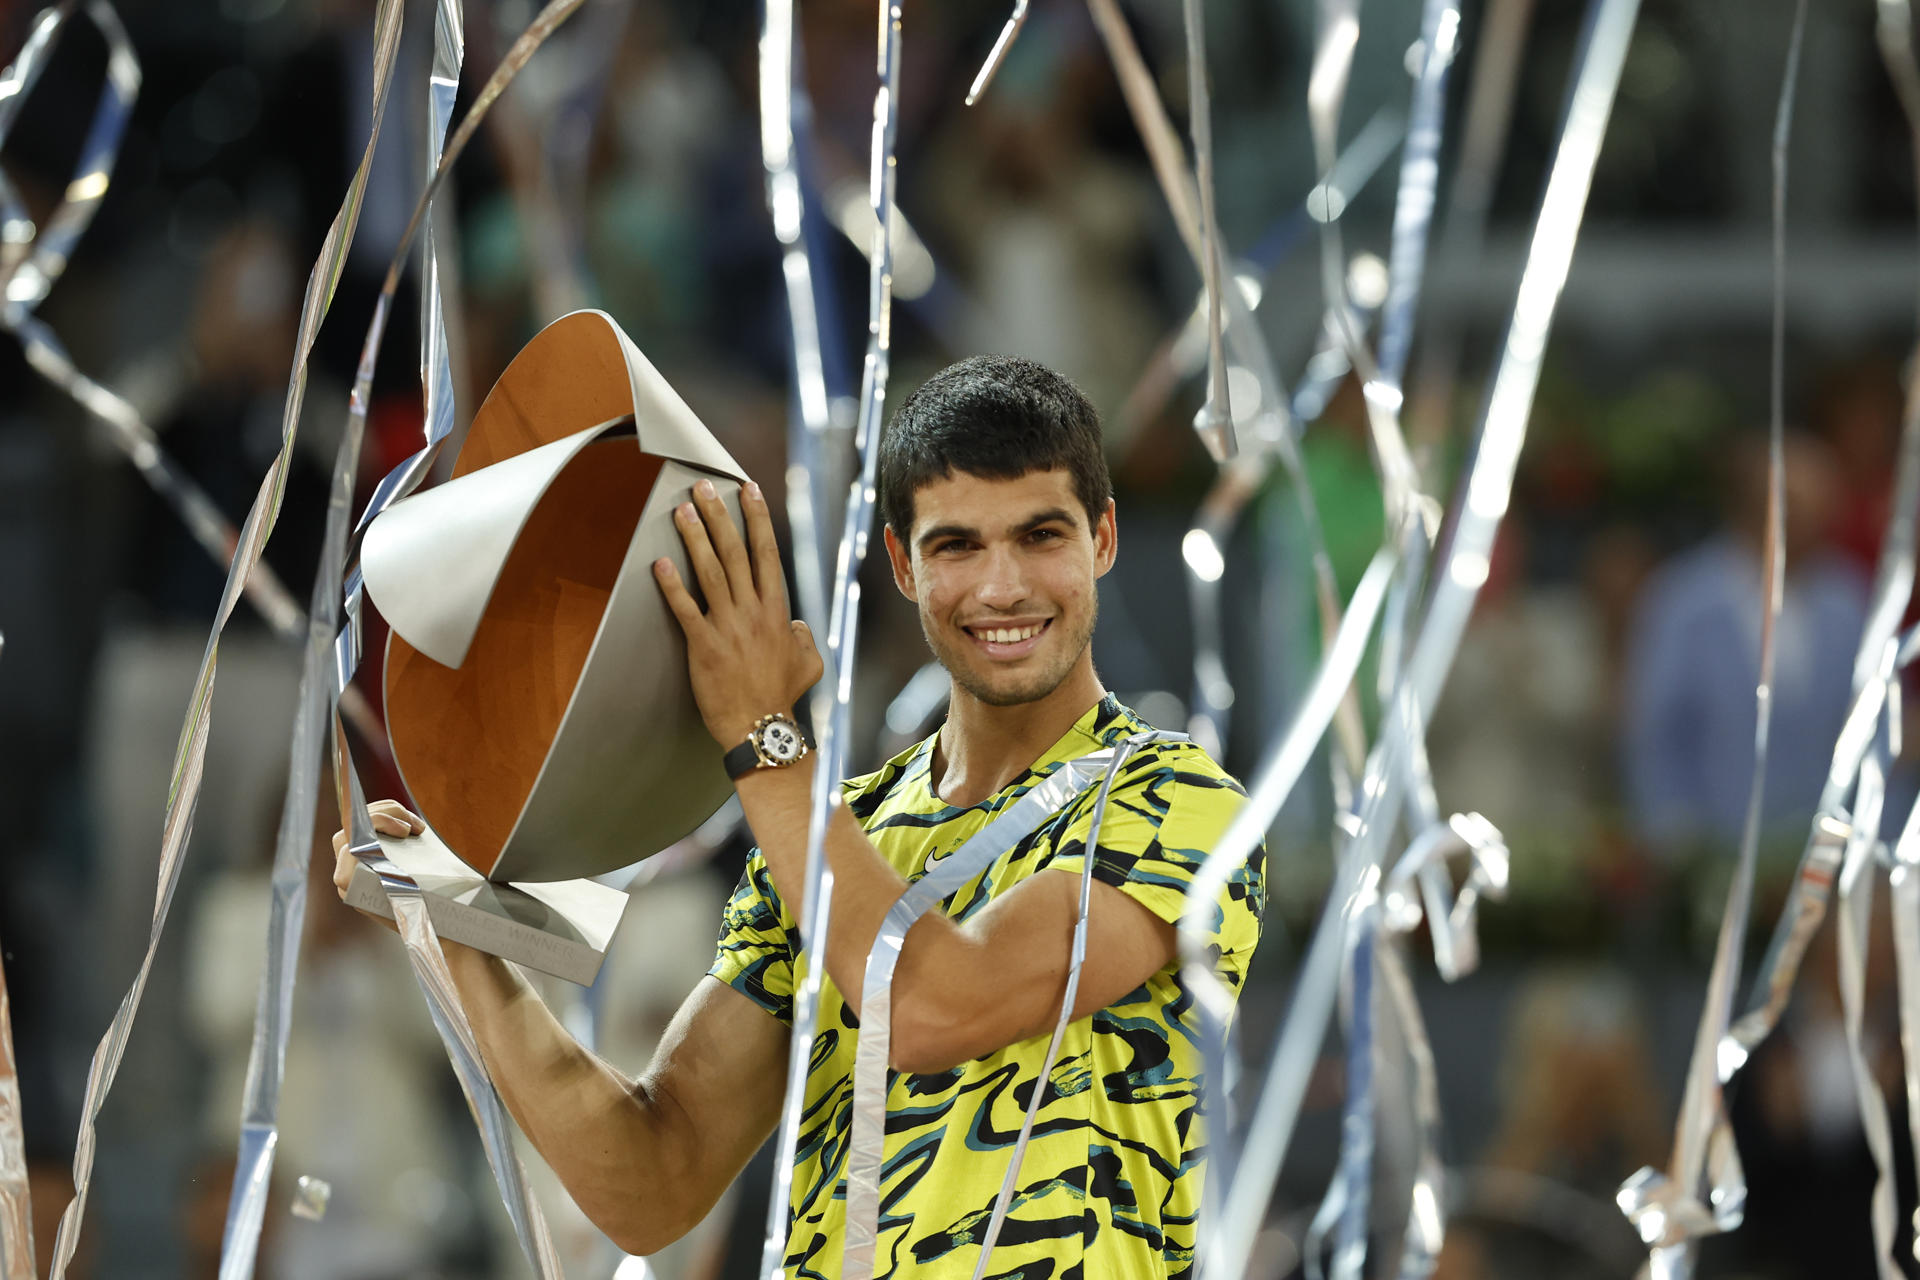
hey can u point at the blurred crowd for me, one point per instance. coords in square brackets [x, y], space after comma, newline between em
[1601, 713]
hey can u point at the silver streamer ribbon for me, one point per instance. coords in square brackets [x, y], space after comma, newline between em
[1669, 1210]
[1214, 422]
[1227, 1238]
[866, 1149]
[1326, 95]
[784, 105]
[1269, 427]
[1893, 587]
[1483, 144]
[998, 54]
[842, 636]
[266, 1063]
[1213, 999]
[16, 1204]
[190, 755]
[409, 908]
[32, 260]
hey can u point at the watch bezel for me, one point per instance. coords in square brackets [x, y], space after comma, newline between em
[757, 738]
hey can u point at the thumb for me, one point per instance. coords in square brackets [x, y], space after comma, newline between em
[803, 634]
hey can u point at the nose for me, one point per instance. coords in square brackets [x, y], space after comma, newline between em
[1002, 585]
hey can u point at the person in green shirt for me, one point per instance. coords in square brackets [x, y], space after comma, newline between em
[999, 521]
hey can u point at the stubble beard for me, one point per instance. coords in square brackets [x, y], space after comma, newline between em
[959, 664]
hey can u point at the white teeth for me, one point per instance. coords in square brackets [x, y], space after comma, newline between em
[1009, 635]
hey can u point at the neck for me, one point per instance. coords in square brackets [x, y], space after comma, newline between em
[983, 747]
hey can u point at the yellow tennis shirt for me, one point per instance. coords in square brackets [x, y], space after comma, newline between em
[1110, 1185]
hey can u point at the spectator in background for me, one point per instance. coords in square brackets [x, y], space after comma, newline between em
[1693, 663]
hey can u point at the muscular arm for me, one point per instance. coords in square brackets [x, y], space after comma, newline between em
[643, 1158]
[961, 990]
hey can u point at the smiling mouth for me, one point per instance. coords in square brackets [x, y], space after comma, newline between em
[1008, 642]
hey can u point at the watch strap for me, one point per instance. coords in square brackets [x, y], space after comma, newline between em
[741, 760]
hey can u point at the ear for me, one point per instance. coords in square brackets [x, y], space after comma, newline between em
[902, 561]
[1106, 541]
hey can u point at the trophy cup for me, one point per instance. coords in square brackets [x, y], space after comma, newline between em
[537, 696]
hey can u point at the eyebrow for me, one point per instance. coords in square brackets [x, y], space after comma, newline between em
[1052, 515]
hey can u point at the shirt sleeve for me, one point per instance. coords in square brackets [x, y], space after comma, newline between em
[755, 953]
[1166, 813]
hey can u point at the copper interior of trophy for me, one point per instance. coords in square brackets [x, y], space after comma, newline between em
[570, 377]
[471, 740]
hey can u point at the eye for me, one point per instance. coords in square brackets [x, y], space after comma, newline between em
[1043, 535]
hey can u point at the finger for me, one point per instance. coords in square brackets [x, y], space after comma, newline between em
[706, 566]
[339, 843]
[394, 809]
[727, 546]
[809, 652]
[768, 576]
[388, 824]
[679, 600]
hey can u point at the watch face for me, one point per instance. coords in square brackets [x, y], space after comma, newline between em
[780, 741]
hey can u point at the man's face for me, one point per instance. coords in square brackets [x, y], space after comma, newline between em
[1003, 573]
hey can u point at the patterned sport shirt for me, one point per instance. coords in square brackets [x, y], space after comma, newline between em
[1110, 1185]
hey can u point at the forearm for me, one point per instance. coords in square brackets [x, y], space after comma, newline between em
[778, 804]
[610, 1140]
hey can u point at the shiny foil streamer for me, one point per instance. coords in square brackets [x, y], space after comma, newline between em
[1857, 875]
[1806, 902]
[842, 636]
[1269, 426]
[190, 755]
[17, 229]
[1418, 193]
[866, 1148]
[1483, 145]
[784, 104]
[1463, 569]
[1339, 33]
[1904, 886]
[998, 54]
[1214, 422]
[341, 573]
[1666, 1211]
[16, 1203]
[32, 259]
[266, 1062]
[1213, 999]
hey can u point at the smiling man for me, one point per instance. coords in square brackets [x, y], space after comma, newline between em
[999, 523]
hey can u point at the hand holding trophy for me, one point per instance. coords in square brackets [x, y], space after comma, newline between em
[536, 686]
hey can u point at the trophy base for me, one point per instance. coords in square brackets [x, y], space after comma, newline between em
[560, 927]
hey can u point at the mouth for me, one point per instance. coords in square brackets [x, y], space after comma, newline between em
[1008, 641]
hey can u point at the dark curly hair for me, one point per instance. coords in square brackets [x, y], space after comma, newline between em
[997, 417]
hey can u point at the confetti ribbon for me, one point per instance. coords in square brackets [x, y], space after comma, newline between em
[1269, 426]
[266, 1062]
[842, 638]
[866, 1148]
[998, 54]
[784, 105]
[1483, 143]
[341, 571]
[32, 260]
[1214, 422]
[190, 754]
[1669, 1210]
[1482, 501]
[1807, 900]
[16, 1204]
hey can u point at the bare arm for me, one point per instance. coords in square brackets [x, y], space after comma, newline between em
[643, 1158]
[960, 991]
